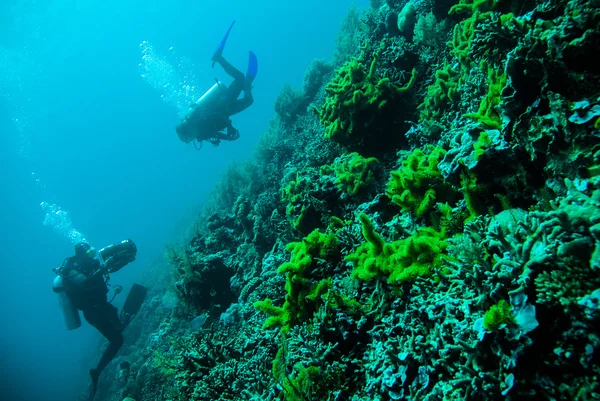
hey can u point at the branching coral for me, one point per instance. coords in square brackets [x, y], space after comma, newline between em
[289, 104]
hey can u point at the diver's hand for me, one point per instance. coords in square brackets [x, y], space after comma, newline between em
[232, 132]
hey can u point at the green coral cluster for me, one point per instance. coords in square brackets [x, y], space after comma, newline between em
[418, 255]
[441, 94]
[352, 171]
[487, 113]
[474, 194]
[448, 79]
[303, 293]
[465, 30]
[483, 143]
[498, 316]
[356, 92]
[418, 184]
[294, 195]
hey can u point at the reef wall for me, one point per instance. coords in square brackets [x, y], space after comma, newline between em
[421, 221]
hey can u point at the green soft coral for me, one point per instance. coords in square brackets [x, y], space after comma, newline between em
[303, 293]
[355, 91]
[484, 142]
[441, 94]
[464, 31]
[418, 255]
[418, 184]
[486, 113]
[352, 171]
[474, 194]
[295, 195]
[498, 316]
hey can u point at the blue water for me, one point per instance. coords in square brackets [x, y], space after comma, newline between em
[87, 126]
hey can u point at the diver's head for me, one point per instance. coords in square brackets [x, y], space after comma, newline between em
[84, 250]
[184, 132]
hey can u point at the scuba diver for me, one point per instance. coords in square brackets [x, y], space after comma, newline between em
[82, 285]
[208, 119]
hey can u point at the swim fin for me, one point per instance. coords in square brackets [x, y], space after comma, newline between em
[134, 300]
[94, 386]
[252, 67]
[219, 52]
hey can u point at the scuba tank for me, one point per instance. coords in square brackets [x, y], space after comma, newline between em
[213, 95]
[210, 99]
[69, 311]
[118, 255]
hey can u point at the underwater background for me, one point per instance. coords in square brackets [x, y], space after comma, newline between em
[412, 211]
[90, 93]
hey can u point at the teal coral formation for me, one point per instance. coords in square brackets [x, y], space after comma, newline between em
[463, 264]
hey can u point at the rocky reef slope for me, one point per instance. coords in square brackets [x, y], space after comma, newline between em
[421, 221]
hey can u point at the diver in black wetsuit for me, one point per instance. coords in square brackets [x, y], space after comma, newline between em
[208, 118]
[83, 279]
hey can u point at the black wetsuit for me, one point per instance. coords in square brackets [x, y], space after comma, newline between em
[209, 123]
[83, 279]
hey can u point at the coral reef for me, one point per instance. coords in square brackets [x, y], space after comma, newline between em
[431, 233]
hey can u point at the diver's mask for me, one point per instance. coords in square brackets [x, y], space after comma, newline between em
[91, 253]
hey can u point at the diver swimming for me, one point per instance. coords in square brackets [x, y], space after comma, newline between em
[208, 118]
[82, 285]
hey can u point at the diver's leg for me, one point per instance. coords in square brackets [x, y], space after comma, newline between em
[243, 103]
[236, 87]
[230, 69]
[116, 341]
[105, 318]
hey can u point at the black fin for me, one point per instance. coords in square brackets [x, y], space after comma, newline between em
[135, 299]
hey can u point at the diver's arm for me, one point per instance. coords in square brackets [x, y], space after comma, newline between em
[232, 132]
[231, 135]
[212, 129]
[222, 136]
